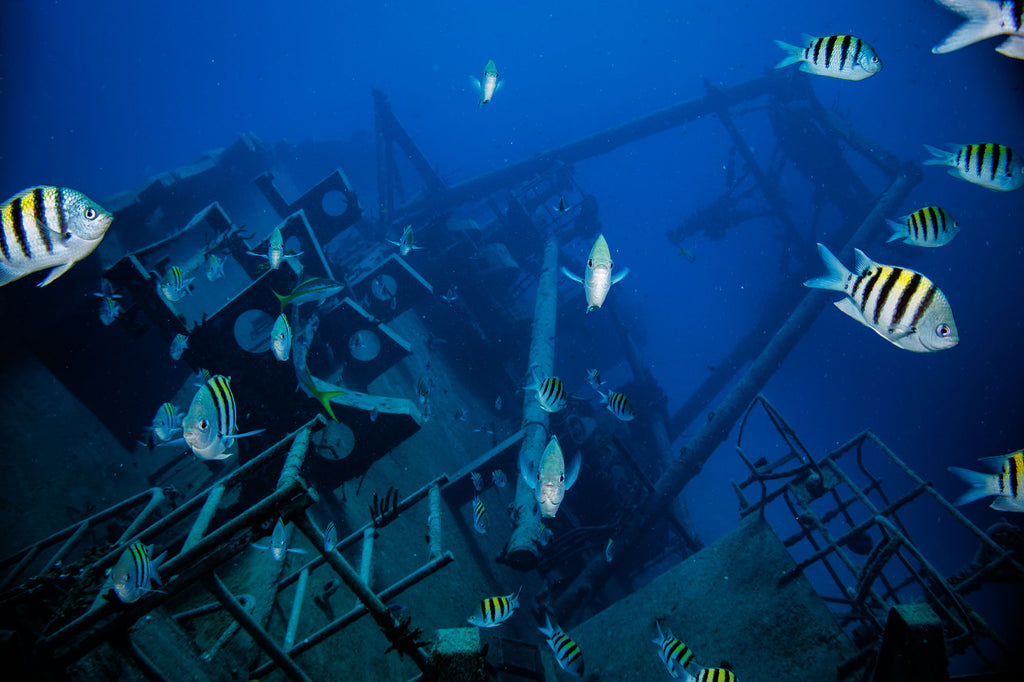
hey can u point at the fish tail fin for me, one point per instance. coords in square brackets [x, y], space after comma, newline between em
[983, 22]
[283, 299]
[547, 630]
[154, 566]
[981, 485]
[323, 396]
[515, 597]
[898, 230]
[835, 278]
[794, 54]
[940, 157]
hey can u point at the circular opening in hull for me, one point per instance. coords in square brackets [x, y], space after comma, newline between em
[364, 345]
[252, 331]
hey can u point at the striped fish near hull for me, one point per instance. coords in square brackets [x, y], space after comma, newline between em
[567, 652]
[986, 19]
[901, 305]
[494, 611]
[715, 675]
[993, 166]
[930, 227]
[210, 422]
[48, 227]
[673, 653]
[133, 572]
[1007, 485]
[840, 56]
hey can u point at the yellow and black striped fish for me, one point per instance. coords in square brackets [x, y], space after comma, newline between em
[48, 227]
[174, 285]
[847, 57]
[550, 393]
[133, 572]
[716, 675]
[673, 653]
[567, 652]
[479, 516]
[993, 166]
[210, 422]
[928, 226]
[1008, 484]
[494, 611]
[901, 305]
[619, 405]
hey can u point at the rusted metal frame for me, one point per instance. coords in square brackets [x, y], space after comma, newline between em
[358, 534]
[255, 630]
[358, 612]
[73, 532]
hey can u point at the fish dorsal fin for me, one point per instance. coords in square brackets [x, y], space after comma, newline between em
[862, 262]
[995, 463]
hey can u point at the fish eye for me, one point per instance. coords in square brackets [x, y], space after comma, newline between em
[590, 262]
[204, 424]
[90, 213]
[943, 330]
[561, 478]
[538, 475]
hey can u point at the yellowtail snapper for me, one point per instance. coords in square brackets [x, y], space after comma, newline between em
[549, 478]
[567, 652]
[597, 278]
[178, 345]
[901, 305]
[133, 572]
[479, 516]
[986, 19]
[674, 654]
[839, 56]
[281, 338]
[309, 383]
[619, 405]
[929, 226]
[993, 166]
[494, 611]
[174, 285]
[313, 289]
[48, 227]
[210, 422]
[1007, 484]
[278, 543]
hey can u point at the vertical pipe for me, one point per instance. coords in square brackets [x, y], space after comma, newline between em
[205, 516]
[293, 620]
[293, 462]
[521, 551]
[366, 560]
[434, 522]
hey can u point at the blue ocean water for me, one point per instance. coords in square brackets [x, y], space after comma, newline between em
[101, 95]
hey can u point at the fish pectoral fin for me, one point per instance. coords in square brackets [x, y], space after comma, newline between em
[258, 255]
[850, 308]
[574, 470]
[476, 83]
[1012, 47]
[260, 547]
[1006, 503]
[55, 273]
[621, 276]
[901, 331]
[571, 276]
[296, 550]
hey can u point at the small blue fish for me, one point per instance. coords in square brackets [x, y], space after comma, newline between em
[166, 423]
[106, 290]
[330, 537]
[485, 427]
[609, 551]
[478, 481]
[406, 242]
[543, 535]
[178, 345]
[374, 413]
[281, 338]
[279, 543]
[109, 310]
[214, 267]
[594, 379]
[452, 295]
[479, 516]
[460, 415]
[133, 572]
[497, 403]
[174, 285]
[499, 478]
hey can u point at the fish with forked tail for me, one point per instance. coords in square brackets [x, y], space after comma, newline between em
[597, 278]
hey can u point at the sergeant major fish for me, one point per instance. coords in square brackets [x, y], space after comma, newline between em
[178, 345]
[166, 423]
[494, 611]
[133, 572]
[715, 675]
[281, 338]
[901, 305]
[109, 310]
[330, 537]
[619, 405]
[48, 227]
[549, 478]
[550, 392]
[174, 285]
[209, 425]
[839, 56]
[597, 278]
[993, 166]
[567, 652]
[673, 653]
[479, 516]
[488, 83]
[986, 19]
[929, 226]
[214, 267]
[1007, 485]
[278, 543]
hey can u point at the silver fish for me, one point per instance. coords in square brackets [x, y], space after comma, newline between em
[549, 479]
[992, 166]
[281, 338]
[986, 19]
[178, 345]
[48, 227]
[275, 250]
[209, 424]
[839, 56]
[214, 267]
[278, 543]
[594, 379]
[166, 422]
[407, 242]
[488, 83]
[597, 278]
[174, 285]
[109, 310]
[133, 572]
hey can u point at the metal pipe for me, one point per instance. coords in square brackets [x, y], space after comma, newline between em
[355, 614]
[65, 548]
[156, 498]
[296, 456]
[293, 620]
[695, 453]
[521, 552]
[202, 521]
[239, 613]
[366, 560]
[434, 522]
